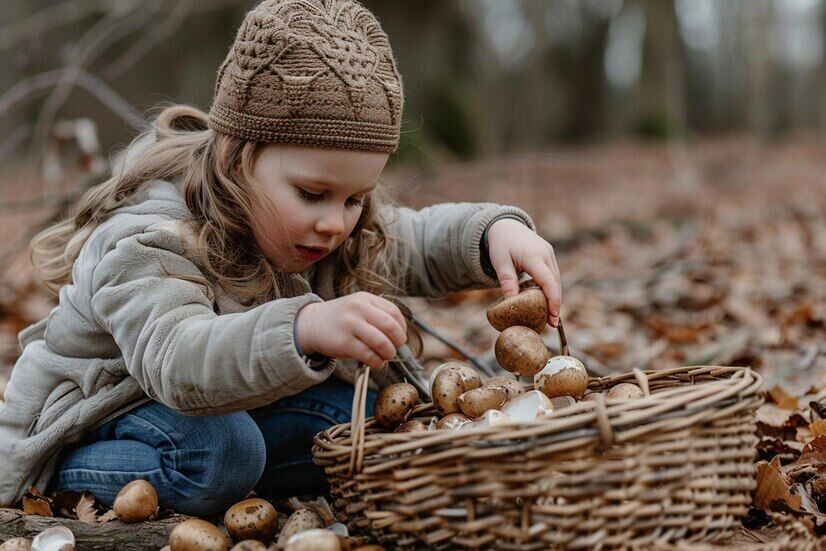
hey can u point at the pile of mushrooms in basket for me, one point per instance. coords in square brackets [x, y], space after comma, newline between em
[463, 400]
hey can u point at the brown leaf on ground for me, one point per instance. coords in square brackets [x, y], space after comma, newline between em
[85, 509]
[782, 398]
[107, 516]
[772, 492]
[37, 506]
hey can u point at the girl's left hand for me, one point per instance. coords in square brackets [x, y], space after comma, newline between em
[515, 248]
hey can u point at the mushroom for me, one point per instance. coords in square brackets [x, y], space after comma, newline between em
[16, 544]
[562, 376]
[136, 502]
[252, 519]
[530, 406]
[512, 387]
[414, 425]
[528, 308]
[490, 418]
[249, 545]
[474, 403]
[300, 521]
[314, 540]
[470, 378]
[625, 391]
[394, 403]
[445, 389]
[521, 351]
[56, 538]
[453, 421]
[197, 535]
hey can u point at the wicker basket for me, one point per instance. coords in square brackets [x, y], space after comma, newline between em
[676, 465]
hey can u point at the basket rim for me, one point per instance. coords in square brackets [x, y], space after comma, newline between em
[721, 390]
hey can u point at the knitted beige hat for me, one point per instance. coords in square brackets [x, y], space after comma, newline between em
[310, 72]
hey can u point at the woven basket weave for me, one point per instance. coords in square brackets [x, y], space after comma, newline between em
[675, 465]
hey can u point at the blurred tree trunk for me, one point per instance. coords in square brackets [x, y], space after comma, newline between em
[756, 26]
[661, 97]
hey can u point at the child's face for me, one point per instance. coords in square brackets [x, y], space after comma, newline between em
[317, 195]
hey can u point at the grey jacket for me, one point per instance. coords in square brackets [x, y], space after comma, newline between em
[124, 332]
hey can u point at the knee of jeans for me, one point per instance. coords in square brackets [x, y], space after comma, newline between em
[232, 467]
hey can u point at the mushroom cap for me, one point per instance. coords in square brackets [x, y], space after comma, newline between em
[470, 377]
[562, 376]
[528, 308]
[625, 391]
[530, 406]
[16, 544]
[445, 389]
[490, 418]
[521, 351]
[136, 502]
[56, 538]
[394, 403]
[452, 421]
[511, 385]
[252, 519]
[317, 539]
[414, 425]
[300, 521]
[474, 403]
[249, 545]
[197, 535]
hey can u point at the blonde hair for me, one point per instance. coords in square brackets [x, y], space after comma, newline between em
[215, 173]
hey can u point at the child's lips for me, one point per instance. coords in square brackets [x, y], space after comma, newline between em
[310, 253]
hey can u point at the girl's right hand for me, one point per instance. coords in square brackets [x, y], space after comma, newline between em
[361, 326]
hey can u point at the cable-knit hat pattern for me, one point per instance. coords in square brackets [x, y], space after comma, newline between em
[310, 72]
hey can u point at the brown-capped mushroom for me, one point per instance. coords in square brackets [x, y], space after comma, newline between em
[300, 521]
[394, 403]
[249, 545]
[625, 391]
[314, 540]
[470, 377]
[512, 386]
[136, 502]
[197, 535]
[445, 390]
[252, 519]
[528, 308]
[414, 425]
[453, 421]
[521, 351]
[562, 376]
[474, 403]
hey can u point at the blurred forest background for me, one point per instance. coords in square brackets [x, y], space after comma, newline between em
[673, 153]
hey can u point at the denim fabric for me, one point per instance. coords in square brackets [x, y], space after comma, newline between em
[202, 465]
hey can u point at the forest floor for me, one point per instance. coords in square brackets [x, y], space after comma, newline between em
[711, 253]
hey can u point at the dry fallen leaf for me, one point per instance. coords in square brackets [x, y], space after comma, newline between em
[772, 492]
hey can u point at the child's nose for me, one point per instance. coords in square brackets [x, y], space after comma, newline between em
[332, 224]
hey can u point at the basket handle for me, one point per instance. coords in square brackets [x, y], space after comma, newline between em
[358, 418]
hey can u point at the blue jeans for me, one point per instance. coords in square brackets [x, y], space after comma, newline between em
[203, 465]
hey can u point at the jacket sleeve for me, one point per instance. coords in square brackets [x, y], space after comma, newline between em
[180, 351]
[440, 245]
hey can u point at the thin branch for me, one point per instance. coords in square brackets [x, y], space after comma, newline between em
[47, 19]
[89, 82]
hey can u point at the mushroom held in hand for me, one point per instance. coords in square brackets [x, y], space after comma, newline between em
[136, 502]
[300, 521]
[521, 351]
[528, 308]
[252, 519]
[394, 403]
[197, 535]
[474, 403]
[562, 376]
[314, 540]
[625, 391]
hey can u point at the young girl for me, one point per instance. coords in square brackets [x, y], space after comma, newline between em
[218, 291]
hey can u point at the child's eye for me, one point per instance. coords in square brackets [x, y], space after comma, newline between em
[355, 202]
[311, 197]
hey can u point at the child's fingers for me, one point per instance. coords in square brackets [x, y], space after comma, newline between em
[388, 325]
[364, 354]
[547, 280]
[391, 309]
[505, 272]
[377, 341]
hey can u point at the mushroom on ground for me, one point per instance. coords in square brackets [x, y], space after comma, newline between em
[136, 502]
[252, 519]
[197, 535]
[300, 521]
[56, 538]
[521, 351]
[625, 391]
[562, 376]
[314, 540]
[394, 403]
[474, 403]
[528, 308]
